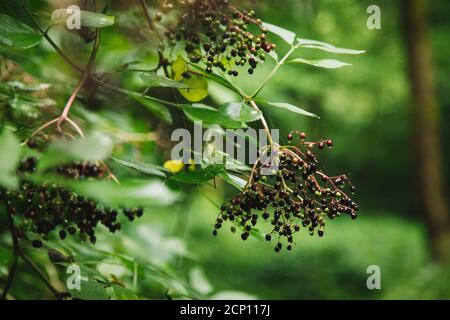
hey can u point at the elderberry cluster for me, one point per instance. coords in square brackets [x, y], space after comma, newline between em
[297, 196]
[42, 209]
[217, 34]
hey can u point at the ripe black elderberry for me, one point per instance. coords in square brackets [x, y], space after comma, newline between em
[299, 193]
[217, 33]
[42, 209]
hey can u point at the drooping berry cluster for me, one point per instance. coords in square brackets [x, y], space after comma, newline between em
[296, 196]
[42, 209]
[218, 34]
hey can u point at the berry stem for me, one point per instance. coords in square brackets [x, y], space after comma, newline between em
[274, 71]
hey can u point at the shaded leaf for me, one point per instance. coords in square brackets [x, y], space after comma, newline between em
[209, 115]
[158, 109]
[198, 176]
[240, 111]
[155, 80]
[146, 168]
[16, 34]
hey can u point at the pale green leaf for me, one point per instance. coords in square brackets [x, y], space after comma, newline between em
[9, 158]
[286, 35]
[313, 44]
[290, 107]
[87, 18]
[324, 63]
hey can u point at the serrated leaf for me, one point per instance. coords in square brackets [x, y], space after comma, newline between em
[158, 109]
[240, 111]
[324, 63]
[197, 88]
[209, 115]
[87, 18]
[292, 108]
[313, 44]
[9, 158]
[198, 176]
[146, 168]
[16, 34]
[286, 35]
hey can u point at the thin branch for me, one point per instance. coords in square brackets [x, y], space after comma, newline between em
[84, 78]
[41, 276]
[263, 121]
[274, 71]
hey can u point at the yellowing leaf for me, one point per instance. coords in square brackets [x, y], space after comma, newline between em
[198, 89]
[178, 67]
[174, 166]
[198, 86]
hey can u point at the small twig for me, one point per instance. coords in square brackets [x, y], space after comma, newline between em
[41, 276]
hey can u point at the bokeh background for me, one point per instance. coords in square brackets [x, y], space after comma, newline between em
[388, 116]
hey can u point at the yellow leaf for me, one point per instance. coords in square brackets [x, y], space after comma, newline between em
[174, 166]
[178, 67]
[198, 86]
[198, 89]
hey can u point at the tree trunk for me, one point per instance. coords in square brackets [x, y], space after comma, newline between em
[425, 127]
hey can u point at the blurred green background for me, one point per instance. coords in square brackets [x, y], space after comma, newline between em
[365, 109]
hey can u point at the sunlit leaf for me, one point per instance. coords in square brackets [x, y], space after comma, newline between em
[234, 180]
[132, 193]
[324, 63]
[199, 281]
[286, 35]
[16, 34]
[95, 147]
[232, 295]
[87, 18]
[313, 44]
[174, 166]
[9, 158]
[197, 88]
[291, 108]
